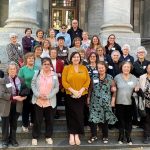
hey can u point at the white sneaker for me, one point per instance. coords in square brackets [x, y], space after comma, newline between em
[25, 129]
[34, 142]
[49, 141]
[120, 142]
[130, 143]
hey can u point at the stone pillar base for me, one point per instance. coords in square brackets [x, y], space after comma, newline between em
[125, 28]
[21, 23]
[133, 39]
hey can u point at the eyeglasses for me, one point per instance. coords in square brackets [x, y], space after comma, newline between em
[46, 64]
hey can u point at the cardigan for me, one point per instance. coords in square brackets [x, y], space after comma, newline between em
[36, 89]
[75, 80]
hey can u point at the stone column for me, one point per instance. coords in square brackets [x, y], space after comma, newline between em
[22, 14]
[117, 16]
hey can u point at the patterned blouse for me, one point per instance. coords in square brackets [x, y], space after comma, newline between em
[147, 93]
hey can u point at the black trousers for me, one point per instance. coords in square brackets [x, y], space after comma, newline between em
[124, 115]
[103, 126]
[48, 115]
[147, 123]
[27, 111]
[75, 114]
[9, 125]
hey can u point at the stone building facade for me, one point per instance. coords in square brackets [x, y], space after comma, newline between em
[129, 20]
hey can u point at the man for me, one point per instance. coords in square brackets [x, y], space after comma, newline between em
[62, 50]
[64, 33]
[75, 31]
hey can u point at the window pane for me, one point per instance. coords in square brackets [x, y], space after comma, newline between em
[71, 3]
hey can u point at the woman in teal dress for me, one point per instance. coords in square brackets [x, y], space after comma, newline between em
[102, 98]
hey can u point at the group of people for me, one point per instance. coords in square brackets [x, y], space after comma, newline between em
[97, 80]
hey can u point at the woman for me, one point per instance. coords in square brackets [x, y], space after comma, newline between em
[75, 96]
[46, 48]
[14, 50]
[45, 86]
[37, 55]
[114, 63]
[139, 66]
[58, 66]
[95, 42]
[102, 54]
[126, 56]
[52, 38]
[145, 86]
[39, 38]
[100, 103]
[112, 45]
[85, 43]
[11, 97]
[76, 46]
[27, 41]
[126, 83]
[27, 73]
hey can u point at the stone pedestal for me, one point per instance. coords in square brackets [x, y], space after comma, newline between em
[22, 14]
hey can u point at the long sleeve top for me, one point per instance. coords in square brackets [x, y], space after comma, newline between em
[75, 80]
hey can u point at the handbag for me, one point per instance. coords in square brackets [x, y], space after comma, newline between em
[141, 107]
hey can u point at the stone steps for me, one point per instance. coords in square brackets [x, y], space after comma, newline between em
[62, 144]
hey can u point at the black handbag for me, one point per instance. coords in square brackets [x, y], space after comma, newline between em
[24, 90]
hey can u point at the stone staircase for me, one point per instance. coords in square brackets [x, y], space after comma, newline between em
[60, 138]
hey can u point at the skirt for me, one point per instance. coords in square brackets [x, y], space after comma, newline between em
[75, 114]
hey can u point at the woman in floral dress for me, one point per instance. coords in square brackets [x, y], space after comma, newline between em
[102, 98]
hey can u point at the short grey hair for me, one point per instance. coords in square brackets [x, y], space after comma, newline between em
[126, 46]
[12, 35]
[141, 48]
[12, 63]
[115, 51]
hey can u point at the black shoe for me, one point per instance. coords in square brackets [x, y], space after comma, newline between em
[14, 143]
[4, 144]
[92, 139]
[146, 140]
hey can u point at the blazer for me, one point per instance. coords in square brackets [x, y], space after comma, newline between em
[5, 102]
[36, 89]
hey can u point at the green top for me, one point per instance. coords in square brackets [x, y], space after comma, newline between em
[27, 74]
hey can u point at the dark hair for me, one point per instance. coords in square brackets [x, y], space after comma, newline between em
[27, 30]
[72, 55]
[43, 60]
[88, 59]
[102, 63]
[125, 62]
[39, 30]
[92, 44]
[75, 39]
[60, 38]
[108, 39]
[37, 46]
[53, 48]
[63, 25]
